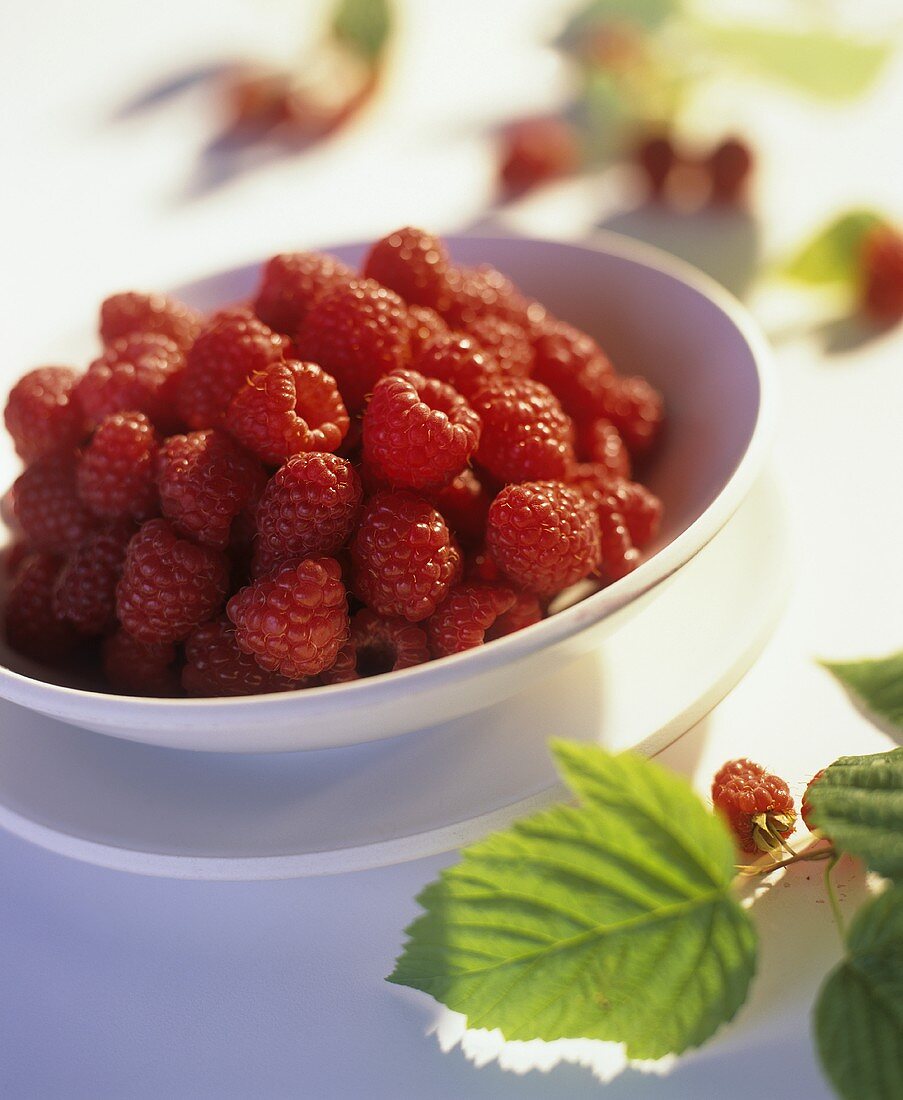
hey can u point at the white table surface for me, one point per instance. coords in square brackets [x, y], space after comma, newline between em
[121, 986]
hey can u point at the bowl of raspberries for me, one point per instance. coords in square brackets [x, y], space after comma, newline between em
[342, 496]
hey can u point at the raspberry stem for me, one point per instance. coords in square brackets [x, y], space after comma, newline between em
[832, 897]
[766, 863]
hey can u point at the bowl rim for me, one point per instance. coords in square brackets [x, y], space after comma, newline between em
[20, 688]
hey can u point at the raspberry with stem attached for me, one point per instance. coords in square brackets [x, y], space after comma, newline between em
[756, 805]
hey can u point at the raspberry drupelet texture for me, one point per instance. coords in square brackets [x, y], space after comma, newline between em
[526, 434]
[459, 361]
[465, 615]
[618, 555]
[472, 293]
[425, 324]
[214, 665]
[205, 480]
[404, 558]
[227, 352]
[418, 433]
[140, 668]
[47, 505]
[635, 408]
[291, 285]
[506, 341]
[464, 505]
[168, 585]
[85, 589]
[881, 274]
[544, 535]
[378, 644]
[525, 611]
[806, 808]
[572, 365]
[286, 409]
[600, 442]
[295, 620]
[33, 627]
[136, 373]
[757, 806]
[41, 415]
[116, 471]
[413, 263]
[132, 313]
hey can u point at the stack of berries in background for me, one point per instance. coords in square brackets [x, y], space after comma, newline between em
[350, 474]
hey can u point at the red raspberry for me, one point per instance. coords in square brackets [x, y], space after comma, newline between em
[462, 619]
[169, 585]
[526, 434]
[205, 479]
[132, 314]
[544, 535]
[40, 414]
[758, 807]
[806, 808]
[295, 620]
[618, 555]
[741, 768]
[635, 408]
[572, 365]
[729, 168]
[481, 568]
[656, 157]
[14, 555]
[140, 668]
[8, 511]
[32, 625]
[881, 265]
[85, 592]
[600, 443]
[457, 360]
[507, 343]
[536, 151]
[472, 293]
[308, 509]
[411, 262]
[47, 505]
[358, 333]
[135, 374]
[225, 354]
[116, 472]
[525, 611]
[403, 556]
[215, 665]
[286, 409]
[378, 644]
[426, 323]
[464, 505]
[291, 285]
[418, 433]
[637, 507]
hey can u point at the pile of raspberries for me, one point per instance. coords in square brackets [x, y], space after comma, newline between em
[351, 474]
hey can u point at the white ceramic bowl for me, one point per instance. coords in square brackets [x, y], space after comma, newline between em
[655, 316]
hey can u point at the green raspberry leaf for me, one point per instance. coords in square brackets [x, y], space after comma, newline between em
[614, 920]
[858, 803]
[831, 257]
[363, 26]
[859, 1012]
[877, 684]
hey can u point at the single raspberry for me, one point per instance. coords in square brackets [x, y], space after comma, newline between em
[137, 373]
[295, 620]
[472, 293]
[526, 434]
[525, 611]
[806, 808]
[140, 668]
[657, 158]
[357, 332]
[205, 480]
[881, 267]
[506, 341]
[462, 619]
[572, 365]
[132, 314]
[292, 283]
[729, 167]
[308, 509]
[618, 555]
[225, 354]
[411, 262]
[464, 505]
[544, 535]
[33, 627]
[286, 409]
[425, 324]
[418, 433]
[457, 360]
[639, 509]
[599, 442]
[47, 505]
[215, 666]
[403, 556]
[741, 768]
[40, 414]
[168, 585]
[757, 806]
[635, 408]
[378, 644]
[536, 151]
[85, 591]
[116, 471]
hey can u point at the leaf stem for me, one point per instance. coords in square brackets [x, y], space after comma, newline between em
[832, 899]
[767, 864]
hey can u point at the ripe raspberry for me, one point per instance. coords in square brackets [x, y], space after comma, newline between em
[292, 283]
[140, 668]
[215, 666]
[506, 341]
[460, 622]
[472, 293]
[116, 472]
[425, 324]
[635, 408]
[225, 354]
[8, 511]
[47, 505]
[526, 434]
[657, 158]
[286, 409]
[572, 365]
[32, 625]
[135, 374]
[411, 262]
[308, 509]
[637, 507]
[40, 414]
[464, 505]
[85, 591]
[599, 442]
[205, 479]
[729, 167]
[132, 314]
[357, 332]
[618, 555]
[457, 360]
[536, 151]
[295, 620]
[403, 556]
[881, 267]
[544, 535]
[378, 644]
[481, 568]
[806, 808]
[168, 585]
[742, 768]
[758, 807]
[418, 433]
[525, 611]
